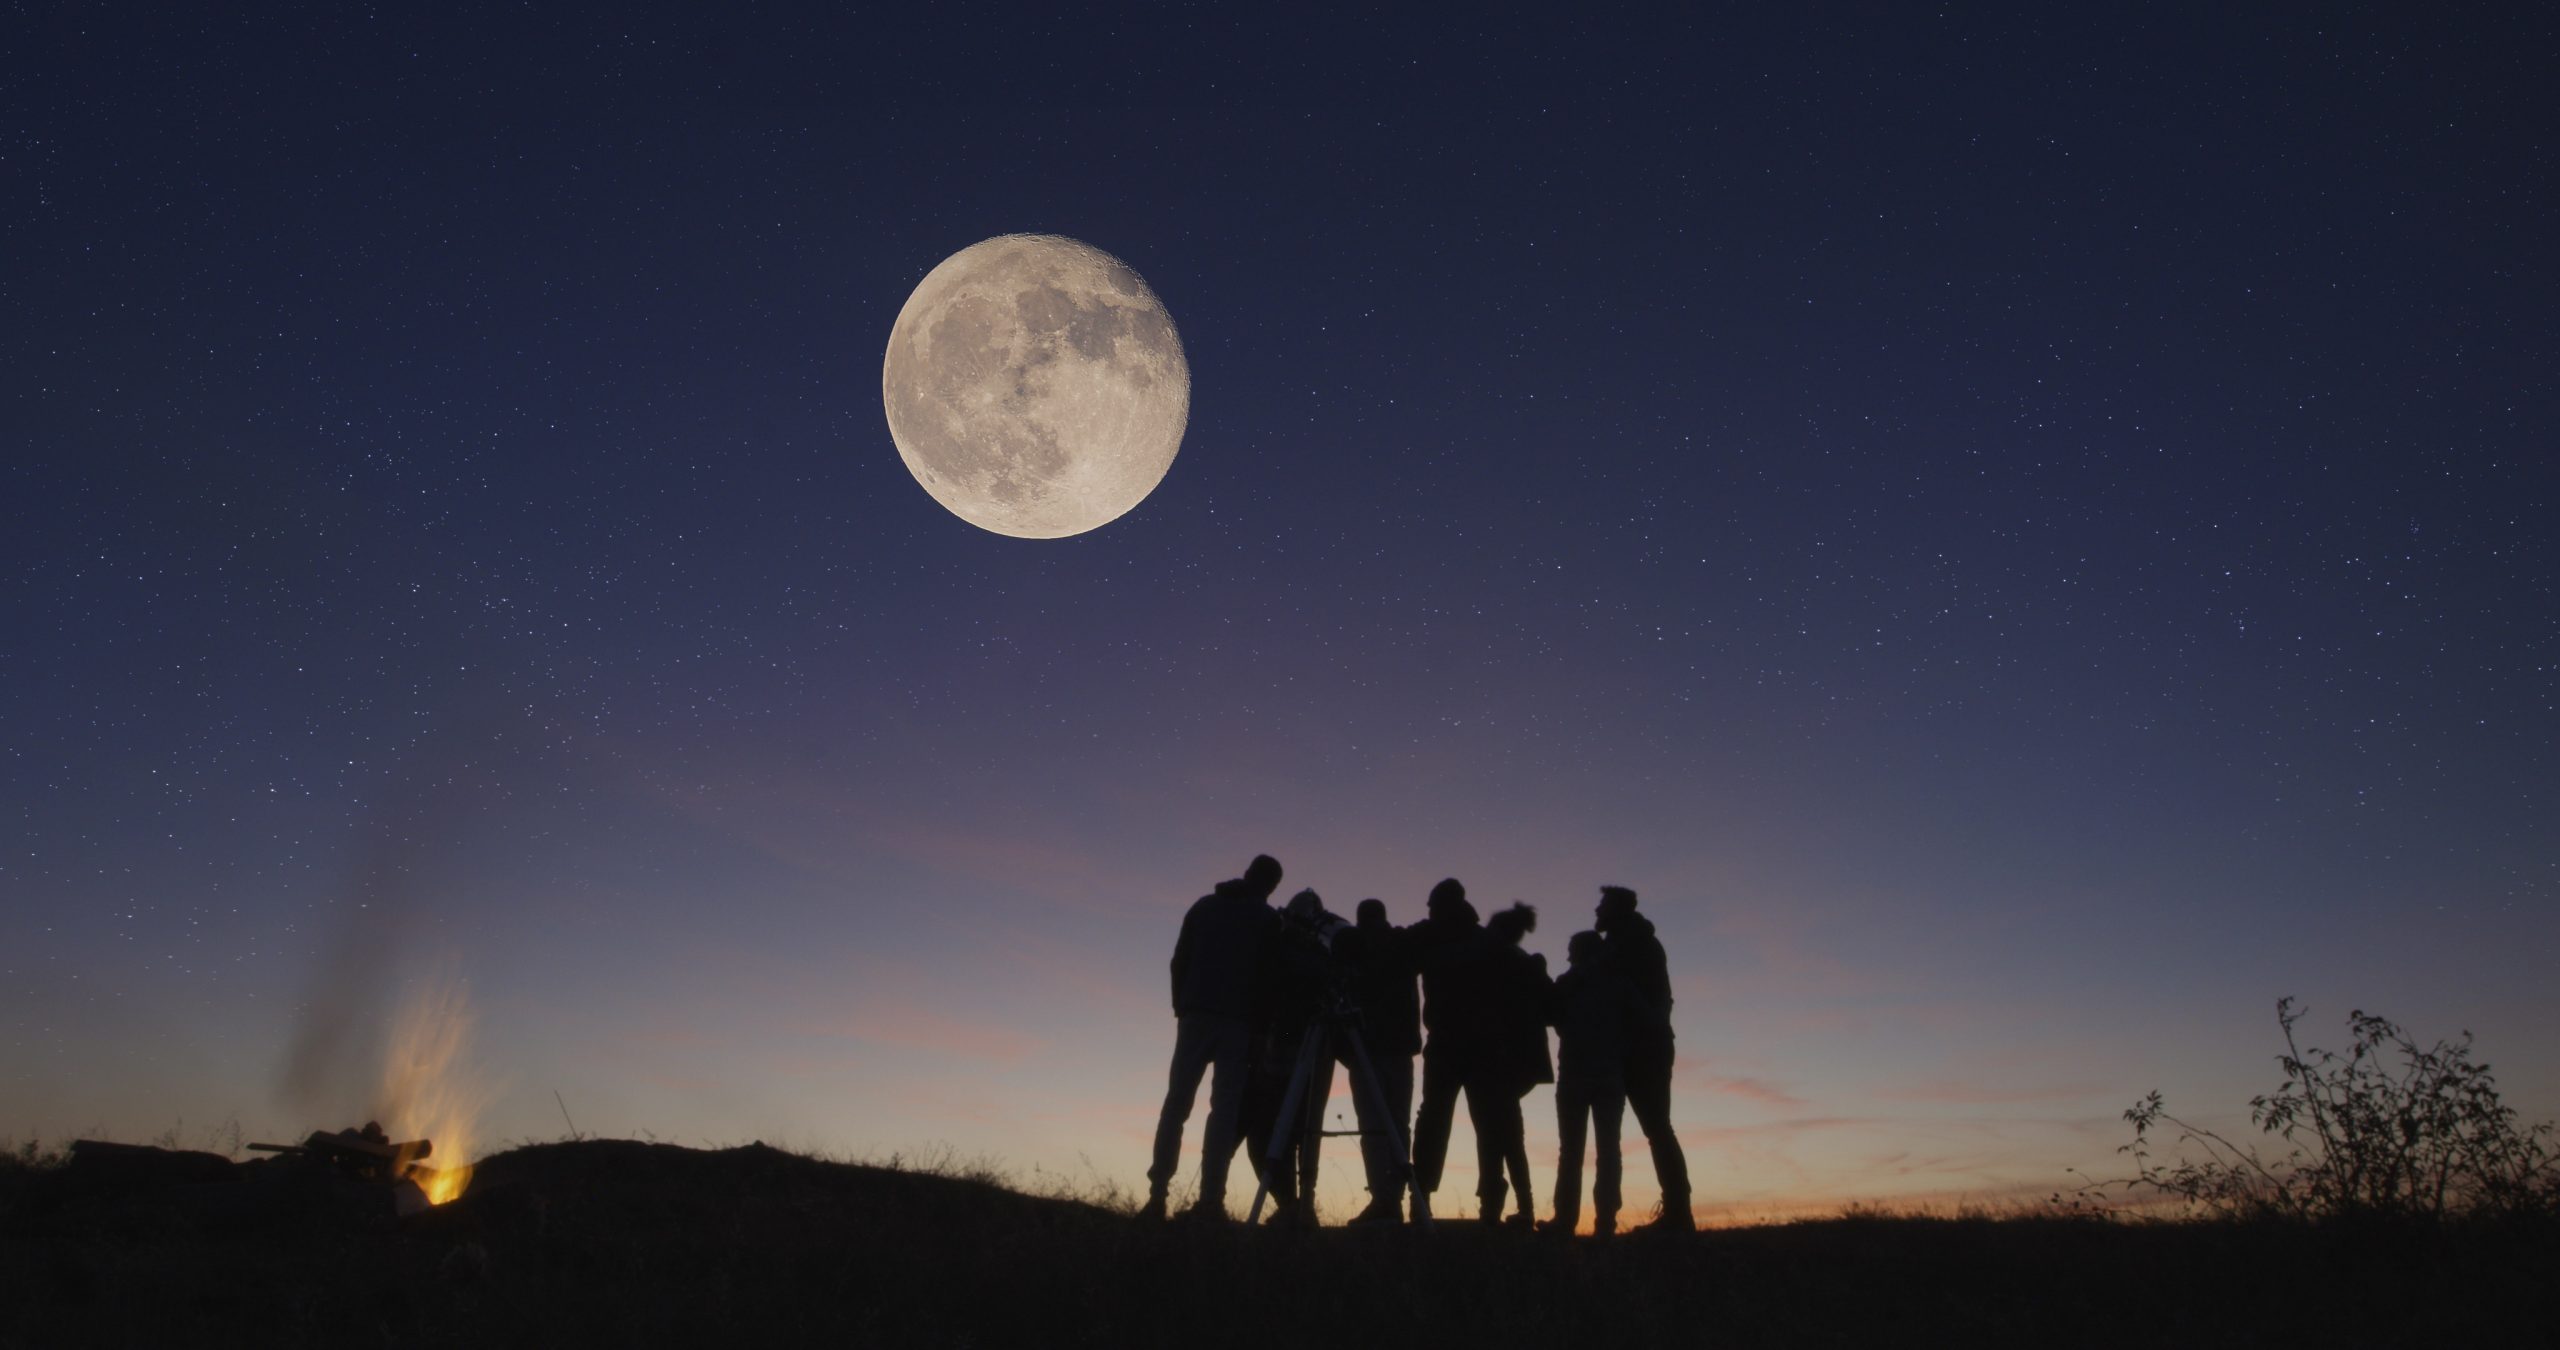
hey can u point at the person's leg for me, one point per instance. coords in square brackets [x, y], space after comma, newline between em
[1372, 1129]
[1488, 1102]
[1648, 1081]
[1515, 1152]
[1608, 1114]
[1271, 1057]
[1311, 1134]
[1395, 1082]
[1573, 1109]
[1191, 1042]
[1385, 1156]
[1230, 1054]
[1431, 1126]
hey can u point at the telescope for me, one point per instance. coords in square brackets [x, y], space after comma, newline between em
[1333, 1027]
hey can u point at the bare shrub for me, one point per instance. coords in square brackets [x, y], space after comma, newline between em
[2386, 1127]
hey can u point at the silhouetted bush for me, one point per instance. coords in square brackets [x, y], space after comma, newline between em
[2385, 1129]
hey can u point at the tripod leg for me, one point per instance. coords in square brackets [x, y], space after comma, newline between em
[1364, 1080]
[1311, 1127]
[1287, 1127]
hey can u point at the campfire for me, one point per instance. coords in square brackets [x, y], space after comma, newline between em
[414, 1154]
[430, 1099]
[369, 1155]
[426, 1104]
[428, 1093]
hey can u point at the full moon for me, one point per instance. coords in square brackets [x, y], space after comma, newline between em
[1035, 386]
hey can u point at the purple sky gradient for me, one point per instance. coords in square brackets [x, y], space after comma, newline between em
[2023, 543]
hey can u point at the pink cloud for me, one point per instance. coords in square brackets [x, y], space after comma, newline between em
[1798, 1125]
[1976, 1094]
[1758, 1090]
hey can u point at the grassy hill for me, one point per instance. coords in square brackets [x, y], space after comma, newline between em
[609, 1242]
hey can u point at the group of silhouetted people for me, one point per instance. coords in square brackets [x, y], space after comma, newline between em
[1251, 983]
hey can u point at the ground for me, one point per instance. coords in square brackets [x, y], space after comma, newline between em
[608, 1242]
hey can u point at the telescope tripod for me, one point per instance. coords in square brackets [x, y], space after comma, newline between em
[1301, 1121]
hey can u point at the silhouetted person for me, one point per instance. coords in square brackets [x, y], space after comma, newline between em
[1293, 979]
[1517, 988]
[1463, 1046]
[1381, 962]
[1215, 966]
[1590, 1010]
[1637, 956]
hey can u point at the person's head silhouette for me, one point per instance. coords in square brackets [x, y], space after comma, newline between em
[1617, 904]
[1372, 913]
[1448, 904]
[1511, 925]
[1262, 876]
[1582, 948]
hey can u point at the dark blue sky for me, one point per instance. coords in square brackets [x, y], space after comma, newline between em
[2025, 537]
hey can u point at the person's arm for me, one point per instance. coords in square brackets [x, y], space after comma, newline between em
[1181, 961]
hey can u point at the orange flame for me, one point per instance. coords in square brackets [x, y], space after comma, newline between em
[428, 1090]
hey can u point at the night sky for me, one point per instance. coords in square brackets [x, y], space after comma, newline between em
[2024, 538]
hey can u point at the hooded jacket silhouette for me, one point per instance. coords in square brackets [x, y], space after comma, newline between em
[1458, 982]
[1219, 961]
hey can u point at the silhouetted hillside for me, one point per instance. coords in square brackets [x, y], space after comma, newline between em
[606, 1242]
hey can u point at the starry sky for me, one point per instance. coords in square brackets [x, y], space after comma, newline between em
[2024, 536]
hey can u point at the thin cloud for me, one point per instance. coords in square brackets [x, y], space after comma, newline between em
[1795, 1125]
[1759, 1090]
[1953, 1093]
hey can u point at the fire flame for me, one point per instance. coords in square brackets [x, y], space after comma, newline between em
[429, 1092]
